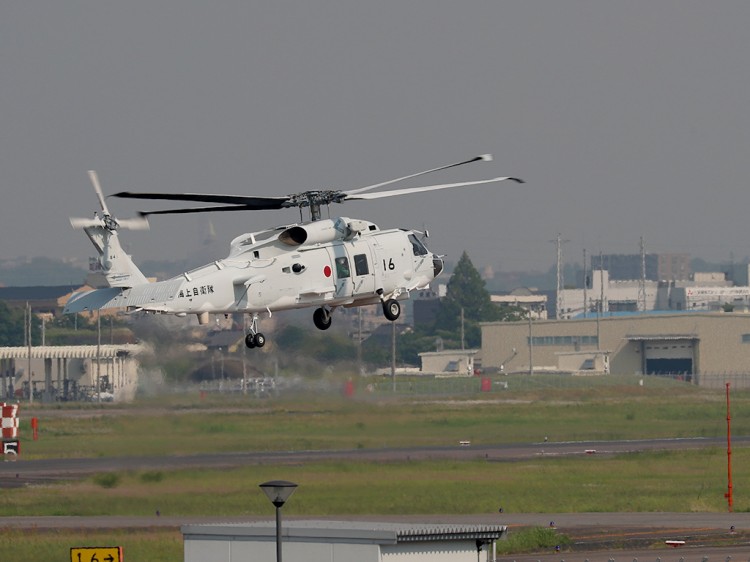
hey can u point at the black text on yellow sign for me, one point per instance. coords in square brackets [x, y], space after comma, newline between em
[96, 554]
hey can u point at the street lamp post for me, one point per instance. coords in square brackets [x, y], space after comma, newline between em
[278, 491]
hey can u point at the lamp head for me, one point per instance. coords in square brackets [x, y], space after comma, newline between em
[278, 491]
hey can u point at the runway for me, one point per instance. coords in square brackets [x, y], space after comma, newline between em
[21, 471]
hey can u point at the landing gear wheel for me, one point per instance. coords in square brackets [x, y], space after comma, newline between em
[392, 309]
[259, 340]
[322, 319]
[250, 341]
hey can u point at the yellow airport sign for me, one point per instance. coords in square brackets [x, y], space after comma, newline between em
[96, 554]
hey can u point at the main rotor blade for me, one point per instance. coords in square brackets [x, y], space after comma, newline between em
[405, 191]
[145, 214]
[481, 157]
[98, 188]
[249, 202]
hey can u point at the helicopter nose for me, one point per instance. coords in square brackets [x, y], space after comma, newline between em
[437, 265]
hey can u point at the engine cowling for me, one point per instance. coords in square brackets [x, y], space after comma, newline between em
[318, 232]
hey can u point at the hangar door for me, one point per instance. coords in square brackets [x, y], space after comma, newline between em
[669, 357]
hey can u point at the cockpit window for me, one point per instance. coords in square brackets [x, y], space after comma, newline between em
[417, 246]
[342, 268]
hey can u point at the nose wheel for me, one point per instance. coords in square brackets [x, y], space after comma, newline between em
[254, 338]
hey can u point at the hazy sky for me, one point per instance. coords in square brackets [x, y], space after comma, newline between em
[626, 119]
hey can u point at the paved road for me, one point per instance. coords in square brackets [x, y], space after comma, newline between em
[22, 471]
[592, 523]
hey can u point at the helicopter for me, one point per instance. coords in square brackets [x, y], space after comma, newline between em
[318, 263]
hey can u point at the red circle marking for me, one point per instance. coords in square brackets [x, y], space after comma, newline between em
[327, 271]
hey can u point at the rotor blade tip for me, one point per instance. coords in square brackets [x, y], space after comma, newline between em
[486, 157]
[517, 180]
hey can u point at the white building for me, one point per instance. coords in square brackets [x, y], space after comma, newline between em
[530, 301]
[62, 372]
[342, 541]
[453, 362]
[704, 292]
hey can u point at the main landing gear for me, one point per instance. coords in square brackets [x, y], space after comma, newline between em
[254, 338]
[322, 318]
[322, 315]
[391, 309]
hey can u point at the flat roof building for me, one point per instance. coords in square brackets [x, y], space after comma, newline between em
[342, 541]
[448, 362]
[702, 347]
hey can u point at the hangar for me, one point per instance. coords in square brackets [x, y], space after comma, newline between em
[702, 347]
[342, 541]
[29, 372]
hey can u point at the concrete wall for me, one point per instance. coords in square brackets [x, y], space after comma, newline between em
[235, 549]
[455, 362]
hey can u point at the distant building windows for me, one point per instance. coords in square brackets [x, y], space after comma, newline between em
[565, 340]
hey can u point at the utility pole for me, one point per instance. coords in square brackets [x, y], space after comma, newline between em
[585, 287]
[559, 302]
[642, 282]
[728, 495]
[600, 308]
[531, 348]
[98, 355]
[393, 355]
[244, 356]
[359, 340]
[463, 338]
[28, 344]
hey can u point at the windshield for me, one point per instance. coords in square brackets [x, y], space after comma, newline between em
[417, 247]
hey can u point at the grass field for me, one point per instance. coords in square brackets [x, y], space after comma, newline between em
[150, 545]
[600, 409]
[656, 481]
[185, 424]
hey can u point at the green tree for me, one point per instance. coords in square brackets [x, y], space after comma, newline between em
[466, 291]
[12, 327]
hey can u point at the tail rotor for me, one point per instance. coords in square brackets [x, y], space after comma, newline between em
[116, 266]
[106, 220]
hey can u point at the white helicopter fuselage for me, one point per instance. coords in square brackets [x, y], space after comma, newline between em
[326, 263]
